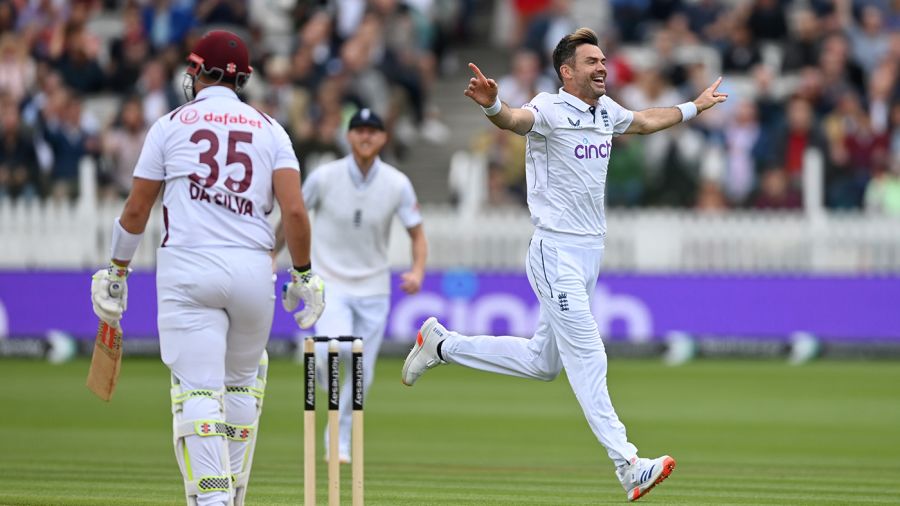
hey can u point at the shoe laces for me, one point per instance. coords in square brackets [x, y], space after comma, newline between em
[634, 472]
[642, 470]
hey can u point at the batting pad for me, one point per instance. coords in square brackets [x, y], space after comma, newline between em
[243, 407]
[200, 437]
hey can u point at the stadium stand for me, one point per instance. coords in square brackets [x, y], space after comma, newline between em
[812, 128]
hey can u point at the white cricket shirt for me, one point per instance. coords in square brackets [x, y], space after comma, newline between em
[566, 160]
[216, 155]
[352, 222]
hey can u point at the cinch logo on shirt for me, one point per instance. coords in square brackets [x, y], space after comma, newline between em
[231, 119]
[590, 151]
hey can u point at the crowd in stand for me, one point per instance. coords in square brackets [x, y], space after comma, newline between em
[802, 74]
[58, 58]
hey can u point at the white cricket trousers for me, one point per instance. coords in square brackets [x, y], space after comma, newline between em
[350, 315]
[215, 314]
[562, 270]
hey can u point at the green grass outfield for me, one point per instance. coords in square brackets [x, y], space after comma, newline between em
[743, 432]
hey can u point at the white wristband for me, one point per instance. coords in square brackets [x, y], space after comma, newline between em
[124, 243]
[494, 109]
[688, 111]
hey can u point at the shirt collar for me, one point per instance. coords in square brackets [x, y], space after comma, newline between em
[574, 101]
[356, 174]
[216, 91]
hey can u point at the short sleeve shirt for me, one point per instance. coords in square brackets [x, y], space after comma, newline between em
[352, 222]
[216, 155]
[567, 157]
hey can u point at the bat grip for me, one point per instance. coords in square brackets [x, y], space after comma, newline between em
[116, 288]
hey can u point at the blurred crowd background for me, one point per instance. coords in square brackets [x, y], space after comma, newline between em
[87, 78]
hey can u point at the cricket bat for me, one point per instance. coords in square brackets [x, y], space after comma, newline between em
[106, 360]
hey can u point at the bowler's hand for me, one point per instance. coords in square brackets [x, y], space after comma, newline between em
[710, 97]
[411, 282]
[481, 89]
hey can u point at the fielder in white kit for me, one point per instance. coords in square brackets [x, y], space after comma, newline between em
[568, 147]
[221, 161]
[355, 200]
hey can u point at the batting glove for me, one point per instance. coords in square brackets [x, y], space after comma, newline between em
[309, 288]
[109, 293]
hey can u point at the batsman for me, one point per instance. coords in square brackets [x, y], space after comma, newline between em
[215, 289]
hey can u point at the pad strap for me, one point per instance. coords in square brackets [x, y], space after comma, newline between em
[179, 396]
[207, 484]
[258, 391]
[241, 479]
[204, 428]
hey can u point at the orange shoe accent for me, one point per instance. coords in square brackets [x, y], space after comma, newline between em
[419, 339]
[668, 467]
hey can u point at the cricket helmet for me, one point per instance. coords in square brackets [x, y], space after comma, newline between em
[221, 57]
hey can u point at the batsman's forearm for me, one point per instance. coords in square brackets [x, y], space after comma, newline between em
[297, 234]
[134, 216]
[279, 238]
[139, 204]
[133, 220]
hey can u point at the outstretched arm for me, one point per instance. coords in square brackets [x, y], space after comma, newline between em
[660, 118]
[484, 92]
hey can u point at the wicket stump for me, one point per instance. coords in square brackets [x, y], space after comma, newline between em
[309, 420]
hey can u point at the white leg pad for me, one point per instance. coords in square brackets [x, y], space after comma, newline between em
[201, 448]
[243, 407]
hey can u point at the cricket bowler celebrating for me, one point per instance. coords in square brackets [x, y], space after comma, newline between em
[221, 161]
[568, 147]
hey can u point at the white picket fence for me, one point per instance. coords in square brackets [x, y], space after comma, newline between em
[678, 241]
[72, 236]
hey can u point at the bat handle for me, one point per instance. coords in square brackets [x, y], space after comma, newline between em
[116, 288]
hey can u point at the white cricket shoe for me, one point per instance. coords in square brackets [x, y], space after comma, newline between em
[343, 457]
[423, 355]
[343, 449]
[643, 474]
